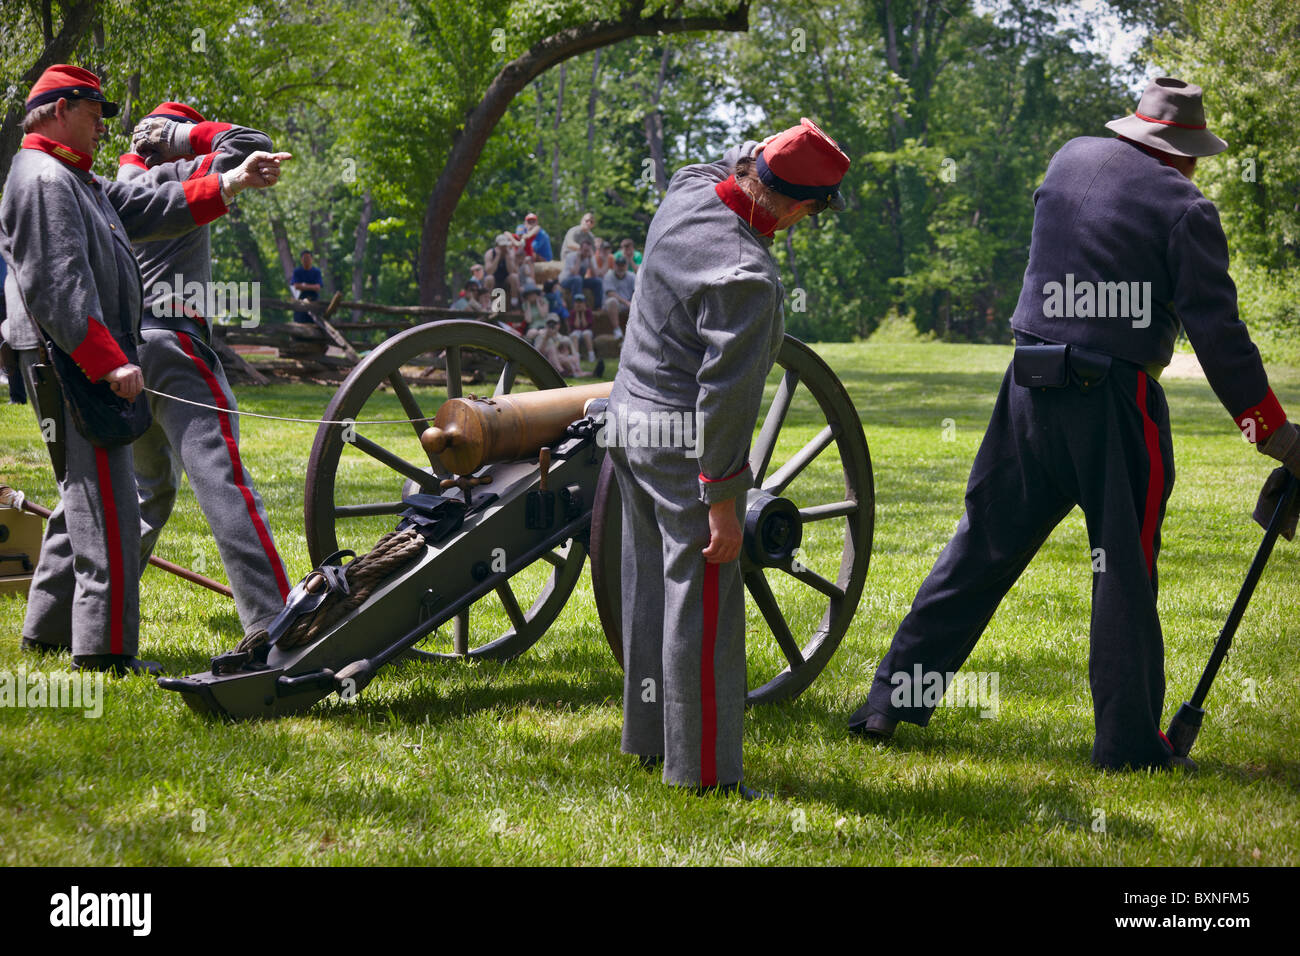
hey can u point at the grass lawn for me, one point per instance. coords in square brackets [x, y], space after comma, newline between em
[519, 762]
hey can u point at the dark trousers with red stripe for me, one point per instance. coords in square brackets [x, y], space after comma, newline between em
[86, 590]
[1108, 450]
[205, 445]
[683, 620]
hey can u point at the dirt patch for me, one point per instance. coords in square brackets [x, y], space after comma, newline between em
[1184, 365]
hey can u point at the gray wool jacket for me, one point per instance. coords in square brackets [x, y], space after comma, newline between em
[706, 322]
[67, 234]
[217, 148]
[1107, 212]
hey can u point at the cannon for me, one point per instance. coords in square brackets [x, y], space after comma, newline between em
[474, 516]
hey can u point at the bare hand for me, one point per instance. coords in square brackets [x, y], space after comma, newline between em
[260, 170]
[126, 381]
[725, 534]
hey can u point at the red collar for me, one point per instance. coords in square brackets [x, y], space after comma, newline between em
[73, 157]
[744, 206]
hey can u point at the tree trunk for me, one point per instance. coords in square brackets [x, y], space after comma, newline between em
[320, 235]
[482, 120]
[283, 248]
[654, 126]
[249, 252]
[359, 251]
[591, 127]
[555, 147]
[59, 48]
[128, 108]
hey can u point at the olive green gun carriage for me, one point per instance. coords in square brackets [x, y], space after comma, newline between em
[502, 547]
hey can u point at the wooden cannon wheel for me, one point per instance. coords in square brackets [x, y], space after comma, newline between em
[354, 488]
[799, 610]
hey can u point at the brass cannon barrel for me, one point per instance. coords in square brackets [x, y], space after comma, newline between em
[470, 432]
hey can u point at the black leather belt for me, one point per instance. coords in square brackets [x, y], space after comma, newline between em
[1154, 370]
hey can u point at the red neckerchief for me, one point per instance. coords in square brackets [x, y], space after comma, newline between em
[1150, 151]
[745, 207]
[73, 157]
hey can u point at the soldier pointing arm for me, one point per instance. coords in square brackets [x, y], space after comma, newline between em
[67, 234]
[174, 143]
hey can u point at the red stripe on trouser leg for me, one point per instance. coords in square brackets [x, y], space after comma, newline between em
[113, 547]
[1156, 482]
[236, 466]
[708, 690]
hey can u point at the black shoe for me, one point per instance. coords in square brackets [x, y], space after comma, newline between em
[872, 724]
[119, 665]
[733, 789]
[650, 761]
[599, 370]
[1175, 762]
[40, 647]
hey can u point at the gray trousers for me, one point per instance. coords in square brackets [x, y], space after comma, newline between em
[205, 445]
[85, 593]
[684, 676]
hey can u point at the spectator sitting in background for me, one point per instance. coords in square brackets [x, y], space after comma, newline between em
[502, 267]
[619, 285]
[628, 248]
[582, 327]
[535, 312]
[574, 237]
[604, 257]
[580, 273]
[557, 348]
[468, 298]
[526, 276]
[536, 243]
[306, 281]
[555, 298]
[484, 301]
[476, 272]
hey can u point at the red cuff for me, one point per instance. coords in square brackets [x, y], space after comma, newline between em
[98, 354]
[1267, 417]
[713, 481]
[132, 159]
[204, 197]
[202, 135]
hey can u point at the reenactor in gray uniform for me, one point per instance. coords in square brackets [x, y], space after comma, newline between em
[67, 235]
[175, 144]
[1125, 252]
[705, 326]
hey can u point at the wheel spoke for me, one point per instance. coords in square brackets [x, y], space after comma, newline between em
[813, 580]
[418, 422]
[802, 458]
[836, 509]
[507, 380]
[554, 558]
[397, 463]
[511, 604]
[409, 404]
[453, 371]
[369, 510]
[772, 422]
[761, 591]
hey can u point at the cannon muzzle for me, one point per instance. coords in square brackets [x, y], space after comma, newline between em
[471, 432]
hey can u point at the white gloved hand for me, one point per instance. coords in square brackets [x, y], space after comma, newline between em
[168, 139]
